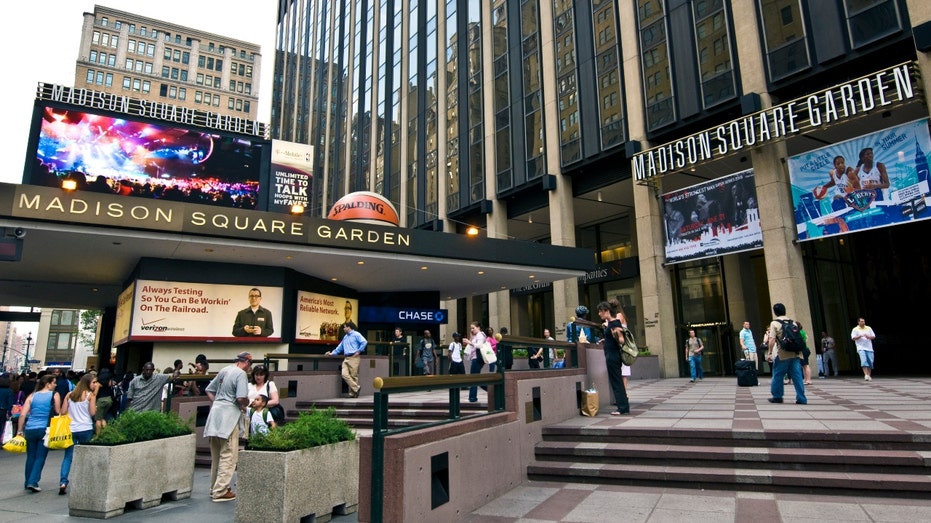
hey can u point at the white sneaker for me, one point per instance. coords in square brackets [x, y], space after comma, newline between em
[867, 378]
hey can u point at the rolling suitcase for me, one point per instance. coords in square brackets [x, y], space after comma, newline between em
[746, 373]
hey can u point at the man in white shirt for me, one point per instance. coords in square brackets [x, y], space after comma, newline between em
[863, 336]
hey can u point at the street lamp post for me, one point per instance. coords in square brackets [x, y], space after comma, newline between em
[28, 343]
[3, 361]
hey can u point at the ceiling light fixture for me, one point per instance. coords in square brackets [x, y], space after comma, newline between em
[297, 209]
[472, 230]
[529, 218]
[69, 184]
[599, 197]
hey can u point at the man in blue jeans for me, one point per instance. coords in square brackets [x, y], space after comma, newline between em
[784, 362]
[693, 349]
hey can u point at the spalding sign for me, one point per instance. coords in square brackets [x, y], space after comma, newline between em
[364, 207]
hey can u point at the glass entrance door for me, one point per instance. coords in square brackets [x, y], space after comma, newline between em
[701, 306]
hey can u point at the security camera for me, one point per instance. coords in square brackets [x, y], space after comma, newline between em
[19, 232]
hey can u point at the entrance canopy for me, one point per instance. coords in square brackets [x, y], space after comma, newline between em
[78, 249]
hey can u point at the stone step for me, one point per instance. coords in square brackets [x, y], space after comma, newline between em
[784, 481]
[812, 459]
[757, 438]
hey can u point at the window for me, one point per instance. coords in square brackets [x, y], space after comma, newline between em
[182, 93]
[114, 41]
[174, 73]
[126, 82]
[163, 90]
[90, 76]
[166, 71]
[239, 105]
[139, 66]
[132, 29]
[231, 104]
[99, 78]
[784, 35]
[209, 63]
[199, 80]
[109, 80]
[111, 60]
[104, 21]
[137, 84]
[105, 39]
[150, 50]
[219, 66]
[95, 38]
[131, 46]
[118, 25]
[184, 75]
[216, 82]
[870, 20]
[246, 106]
[146, 86]
[176, 56]
[248, 88]
[186, 57]
[167, 54]
[201, 61]
[198, 97]
[142, 31]
[93, 56]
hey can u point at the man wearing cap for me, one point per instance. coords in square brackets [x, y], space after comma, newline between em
[145, 390]
[352, 346]
[229, 392]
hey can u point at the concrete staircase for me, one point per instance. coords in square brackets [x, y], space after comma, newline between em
[401, 413]
[850, 463]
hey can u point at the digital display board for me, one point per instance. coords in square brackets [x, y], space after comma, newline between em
[134, 157]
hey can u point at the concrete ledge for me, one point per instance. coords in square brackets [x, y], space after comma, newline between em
[140, 474]
[286, 487]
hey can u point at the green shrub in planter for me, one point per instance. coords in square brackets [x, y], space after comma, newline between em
[132, 426]
[519, 353]
[308, 430]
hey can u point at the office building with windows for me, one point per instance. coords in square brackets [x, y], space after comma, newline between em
[716, 155]
[126, 54]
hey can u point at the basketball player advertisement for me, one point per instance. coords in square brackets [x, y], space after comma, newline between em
[712, 218]
[871, 181]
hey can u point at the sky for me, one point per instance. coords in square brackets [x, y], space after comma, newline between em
[45, 49]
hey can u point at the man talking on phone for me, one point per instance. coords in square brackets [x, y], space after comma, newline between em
[254, 320]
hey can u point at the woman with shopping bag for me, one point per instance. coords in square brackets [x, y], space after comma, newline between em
[40, 406]
[81, 406]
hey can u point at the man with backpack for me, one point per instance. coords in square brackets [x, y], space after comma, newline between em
[785, 352]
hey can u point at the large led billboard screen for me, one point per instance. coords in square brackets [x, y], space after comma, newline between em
[135, 157]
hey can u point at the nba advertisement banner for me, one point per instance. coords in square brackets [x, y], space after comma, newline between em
[321, 317]
[184, 311]
[291, 175]
[875, 180]
[712, 218]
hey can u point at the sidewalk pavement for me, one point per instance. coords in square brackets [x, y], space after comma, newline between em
[835, 404]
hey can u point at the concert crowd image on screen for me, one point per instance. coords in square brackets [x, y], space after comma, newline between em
[135, 158]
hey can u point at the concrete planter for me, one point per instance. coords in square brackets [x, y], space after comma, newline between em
[285, 487]
[645, 368]
[107, 478]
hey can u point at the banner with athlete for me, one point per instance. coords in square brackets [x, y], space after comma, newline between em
[717, 217]
[871, 181]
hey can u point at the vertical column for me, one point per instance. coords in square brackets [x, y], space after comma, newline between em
[784, 267]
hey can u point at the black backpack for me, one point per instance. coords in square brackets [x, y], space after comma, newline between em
[791, 339]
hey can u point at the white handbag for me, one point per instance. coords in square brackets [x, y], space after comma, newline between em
[488, 353]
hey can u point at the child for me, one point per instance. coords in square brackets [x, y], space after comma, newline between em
[259, 417]
[456, 365]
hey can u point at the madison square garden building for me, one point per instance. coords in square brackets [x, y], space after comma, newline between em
[693, 145]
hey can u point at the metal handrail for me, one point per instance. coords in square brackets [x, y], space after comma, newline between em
[384, 387]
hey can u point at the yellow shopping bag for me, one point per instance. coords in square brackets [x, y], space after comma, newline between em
[58, 434]
[16, 445]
